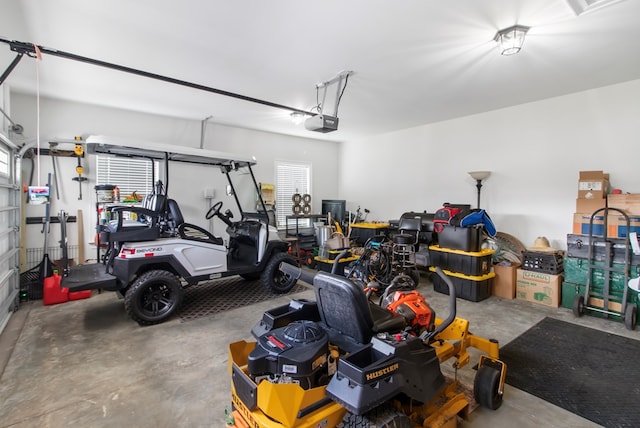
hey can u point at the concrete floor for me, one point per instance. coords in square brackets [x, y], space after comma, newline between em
[85, 364]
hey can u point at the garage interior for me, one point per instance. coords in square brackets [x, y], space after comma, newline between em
[391, 112]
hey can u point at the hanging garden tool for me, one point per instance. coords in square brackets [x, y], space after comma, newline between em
[79, 152]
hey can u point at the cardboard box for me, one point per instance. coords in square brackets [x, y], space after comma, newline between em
[593, 185]
[617, 225]
[537, 287]
[589, 206]
[504, 283]
[581, 224]
[629, 203]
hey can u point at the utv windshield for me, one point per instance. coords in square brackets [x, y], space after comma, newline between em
[244, 188]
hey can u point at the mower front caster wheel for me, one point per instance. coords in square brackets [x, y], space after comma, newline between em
[486, 387]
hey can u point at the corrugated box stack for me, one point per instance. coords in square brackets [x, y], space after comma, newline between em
[588, 227]
[540, 277]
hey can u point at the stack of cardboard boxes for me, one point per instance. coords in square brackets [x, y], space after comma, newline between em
[593, 195]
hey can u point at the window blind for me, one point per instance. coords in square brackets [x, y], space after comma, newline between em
[291, 178]
[130, 175]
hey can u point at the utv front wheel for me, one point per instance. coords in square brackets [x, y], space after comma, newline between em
[153, 297]
[274, 279]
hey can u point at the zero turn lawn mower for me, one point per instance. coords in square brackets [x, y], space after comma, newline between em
[342, 361]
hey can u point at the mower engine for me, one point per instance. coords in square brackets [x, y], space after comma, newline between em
[414, 308]
[298, 353]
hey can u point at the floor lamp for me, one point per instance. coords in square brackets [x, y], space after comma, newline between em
[479, 176]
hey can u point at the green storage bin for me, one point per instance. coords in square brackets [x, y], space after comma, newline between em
[575, 271]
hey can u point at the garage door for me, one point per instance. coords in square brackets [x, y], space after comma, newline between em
[9, 230]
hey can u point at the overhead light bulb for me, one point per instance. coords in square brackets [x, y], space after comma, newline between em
[511, 39]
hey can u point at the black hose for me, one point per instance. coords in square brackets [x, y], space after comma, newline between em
[297, 272]
[452, 308]
[336, 261]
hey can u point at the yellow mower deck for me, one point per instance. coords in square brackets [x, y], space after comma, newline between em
[289, 405]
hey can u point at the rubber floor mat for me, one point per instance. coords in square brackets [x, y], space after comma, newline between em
[224, 294]
[588, 372]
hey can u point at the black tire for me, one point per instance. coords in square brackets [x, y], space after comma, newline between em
[631, 316]
[311, 261]
[415, 275]
[250, 276]
[274, 279]
[153, 297]
[486, 387]
[384, 416]
[578, 305]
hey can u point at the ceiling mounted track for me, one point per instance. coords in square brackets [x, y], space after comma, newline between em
[30, 49]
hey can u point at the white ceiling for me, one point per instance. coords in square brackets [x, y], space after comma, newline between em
[415, 61]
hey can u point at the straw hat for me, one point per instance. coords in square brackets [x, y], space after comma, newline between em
[541, 244]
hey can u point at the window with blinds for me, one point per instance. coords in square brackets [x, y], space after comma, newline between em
[291, 178]
[130, 175]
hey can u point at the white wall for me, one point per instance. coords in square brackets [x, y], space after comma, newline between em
[534, 151]
[63, 120]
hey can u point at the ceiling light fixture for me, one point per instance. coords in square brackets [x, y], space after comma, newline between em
[511, 39]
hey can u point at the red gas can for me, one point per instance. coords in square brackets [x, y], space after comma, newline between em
[77, 295]
[52, 293]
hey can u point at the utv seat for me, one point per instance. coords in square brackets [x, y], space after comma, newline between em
[346, 311]
[146, 228]
[187, 230]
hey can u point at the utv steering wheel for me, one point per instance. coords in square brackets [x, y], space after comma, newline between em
[214, 210]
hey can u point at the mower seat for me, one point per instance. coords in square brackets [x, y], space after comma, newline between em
[186, 230]
[346, 311]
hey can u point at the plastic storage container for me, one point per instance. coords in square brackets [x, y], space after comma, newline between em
[472, 288]
[460, 238]
[327, 265]
[105, 193]
[464, 262]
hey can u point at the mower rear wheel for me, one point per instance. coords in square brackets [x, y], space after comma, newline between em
[631, 316]
[384, 416]
[578, 305]
[153, 297]
[274, 279]
[486, 387]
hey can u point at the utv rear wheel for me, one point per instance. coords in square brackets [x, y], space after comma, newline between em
[274, 279]
[153, 297]
[384, 416]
